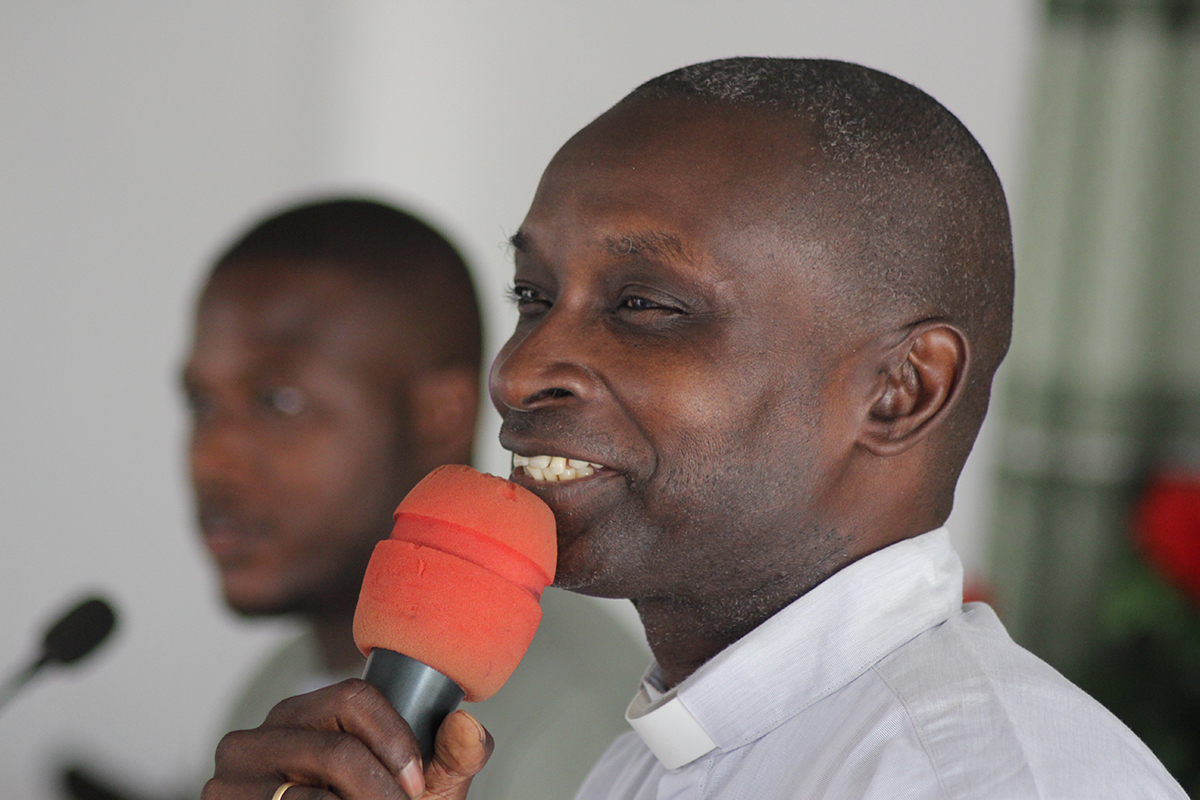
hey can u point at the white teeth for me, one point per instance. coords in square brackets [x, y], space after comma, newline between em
[554, 469]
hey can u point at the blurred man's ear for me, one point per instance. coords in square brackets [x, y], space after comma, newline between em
[445, 404]
[919, 379]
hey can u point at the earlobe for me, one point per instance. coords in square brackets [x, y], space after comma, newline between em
[919, 381]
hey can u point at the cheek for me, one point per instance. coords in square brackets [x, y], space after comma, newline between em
[339, 480]
[736, 447]
[701, 406]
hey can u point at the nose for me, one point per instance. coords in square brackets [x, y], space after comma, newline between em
[548, 365]
[222, 451]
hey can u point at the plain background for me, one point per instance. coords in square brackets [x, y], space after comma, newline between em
[137, 137]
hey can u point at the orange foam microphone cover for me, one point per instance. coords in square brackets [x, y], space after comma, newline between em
[457, 585]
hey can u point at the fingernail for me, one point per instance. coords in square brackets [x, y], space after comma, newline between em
[480, 731]
[412, 779]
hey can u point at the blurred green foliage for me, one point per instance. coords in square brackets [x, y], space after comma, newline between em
[1146, 668]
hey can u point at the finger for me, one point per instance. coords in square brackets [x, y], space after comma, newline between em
[299, 792]
[359, 709]
[217, 789]
[250, 765]
[461, 749]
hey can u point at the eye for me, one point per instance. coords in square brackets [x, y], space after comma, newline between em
[637, 299]
[286, 401]
[636, 303]
[528, 300]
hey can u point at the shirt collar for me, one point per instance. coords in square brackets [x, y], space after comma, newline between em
[814, 646]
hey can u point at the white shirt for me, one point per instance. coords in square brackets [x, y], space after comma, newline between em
[878, 683]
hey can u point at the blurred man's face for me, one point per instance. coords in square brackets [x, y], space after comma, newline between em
[299, 433]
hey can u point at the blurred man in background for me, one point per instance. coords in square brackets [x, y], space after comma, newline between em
[335, 362]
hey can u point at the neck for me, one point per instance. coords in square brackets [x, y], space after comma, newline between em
[677, 658]
[335, 642]
[684, 635]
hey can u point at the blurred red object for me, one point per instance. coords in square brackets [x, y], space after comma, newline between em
[977, 590]
[1166, 526]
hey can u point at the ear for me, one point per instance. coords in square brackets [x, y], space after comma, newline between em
[919, 380]
[445, 404]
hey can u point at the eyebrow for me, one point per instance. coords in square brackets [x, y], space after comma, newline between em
[519, 241]
[655, 244]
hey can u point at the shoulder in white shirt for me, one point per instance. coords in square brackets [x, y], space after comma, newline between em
[878, 683]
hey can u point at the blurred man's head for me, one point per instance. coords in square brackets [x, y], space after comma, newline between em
[767, 298]
[335, 362]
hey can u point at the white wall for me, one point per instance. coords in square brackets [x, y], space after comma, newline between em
[134, 137]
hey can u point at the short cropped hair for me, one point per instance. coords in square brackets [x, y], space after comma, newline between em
[377, 242]
[913, 209]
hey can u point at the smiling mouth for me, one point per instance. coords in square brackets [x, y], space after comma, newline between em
[227, 536]
[224, 540]
[555, 469]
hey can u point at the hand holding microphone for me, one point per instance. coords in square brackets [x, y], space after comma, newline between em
[448, 607]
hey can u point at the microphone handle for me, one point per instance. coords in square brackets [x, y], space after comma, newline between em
[422, 695]
[13, 685]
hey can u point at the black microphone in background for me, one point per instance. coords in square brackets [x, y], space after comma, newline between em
[76, 634]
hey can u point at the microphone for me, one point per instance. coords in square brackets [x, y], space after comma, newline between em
[449, 603]
[76, 634]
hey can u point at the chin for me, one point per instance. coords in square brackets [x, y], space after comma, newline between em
[251, 609]
[252, 601]
[591, 579]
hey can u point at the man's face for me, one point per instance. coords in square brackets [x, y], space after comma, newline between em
[673, 329]
[299, 435]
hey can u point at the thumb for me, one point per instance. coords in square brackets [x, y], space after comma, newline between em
[461, 749]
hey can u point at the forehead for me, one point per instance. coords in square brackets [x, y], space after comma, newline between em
[285, 311]
[682, 182]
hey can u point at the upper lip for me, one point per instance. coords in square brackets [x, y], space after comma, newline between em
[211, 522]
[215, 513]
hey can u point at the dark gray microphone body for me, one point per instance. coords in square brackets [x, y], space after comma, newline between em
[72, 637]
